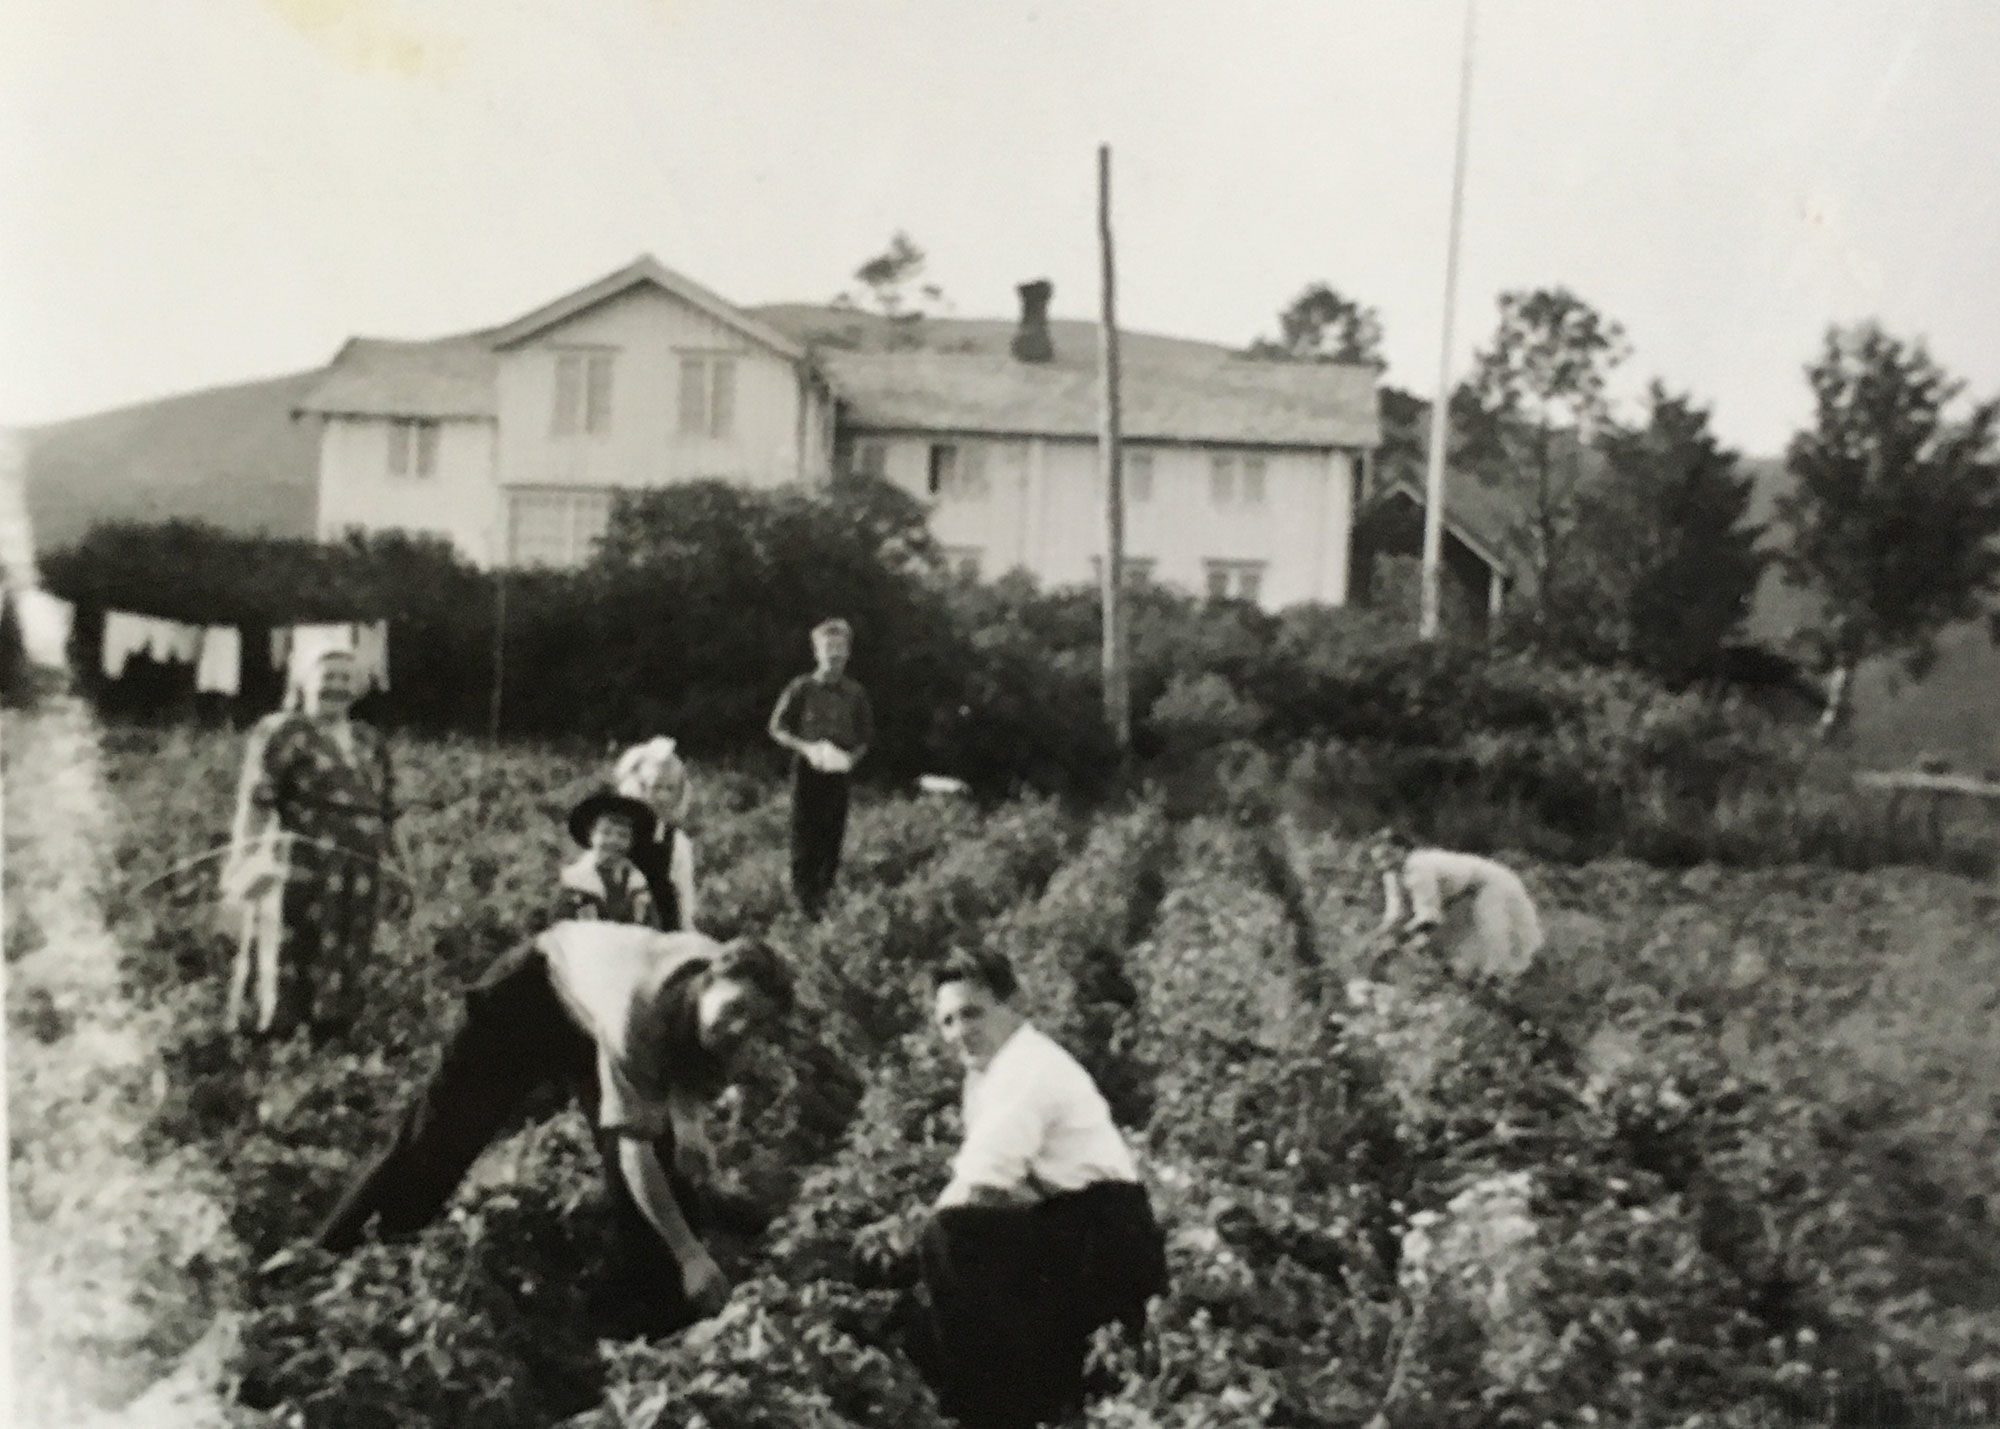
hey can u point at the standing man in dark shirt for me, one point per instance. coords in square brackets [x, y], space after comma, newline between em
[825, 720]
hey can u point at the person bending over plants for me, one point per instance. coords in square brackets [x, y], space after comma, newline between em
[1474, 913]
[1044, 1233]
[641, 1026]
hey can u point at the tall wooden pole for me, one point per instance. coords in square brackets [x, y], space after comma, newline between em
[1434, 494]
[1117, 684]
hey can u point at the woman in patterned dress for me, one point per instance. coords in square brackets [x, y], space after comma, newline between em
[312, 845]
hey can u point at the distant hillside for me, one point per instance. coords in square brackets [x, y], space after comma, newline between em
[231, 456]
[1953, 712]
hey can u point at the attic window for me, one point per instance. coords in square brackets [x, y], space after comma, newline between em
[708, 396]
[583, 394]
[413, 447]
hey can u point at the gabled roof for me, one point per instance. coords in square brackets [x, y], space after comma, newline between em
[643, 270]
[1474, 512]
[447, 377]
[1196, 397]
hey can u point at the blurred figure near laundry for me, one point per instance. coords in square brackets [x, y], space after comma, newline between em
[312, 851]
[826, 721]
[604, 884]
[1476, 912]
[653, 774]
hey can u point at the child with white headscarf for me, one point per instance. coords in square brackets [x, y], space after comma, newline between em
[654, 774]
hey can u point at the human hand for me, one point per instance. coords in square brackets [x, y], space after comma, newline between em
[703, 1282]
[834, 759]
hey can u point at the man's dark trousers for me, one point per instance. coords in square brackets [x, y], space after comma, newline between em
[819, 826]
[516, 1036]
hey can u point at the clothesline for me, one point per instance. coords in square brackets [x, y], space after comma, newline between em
[46, 621]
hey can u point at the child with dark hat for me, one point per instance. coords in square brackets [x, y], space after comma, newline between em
[604, 884]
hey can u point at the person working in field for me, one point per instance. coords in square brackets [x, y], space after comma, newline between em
[1044, 1233]
[642, 1026]
[310, 849]
[604, 883]
[826, 721]
[654, 774]
[1476, 912]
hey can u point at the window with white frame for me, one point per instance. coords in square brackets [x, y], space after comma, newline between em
[1234, 580]
[413, 447]
[957, 471]
[707, 395]
[555, 525]
[1250, 483]
[1236, 480]
[1138, 570]
[963, 561]
[1138, 475]
[870, 459]
[582, 393]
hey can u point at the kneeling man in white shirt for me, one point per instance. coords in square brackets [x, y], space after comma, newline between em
[1044, 1233]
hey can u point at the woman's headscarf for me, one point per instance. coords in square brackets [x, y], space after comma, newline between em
[653, 772]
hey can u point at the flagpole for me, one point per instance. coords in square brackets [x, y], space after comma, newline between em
[1117, 687]
[1434, 473]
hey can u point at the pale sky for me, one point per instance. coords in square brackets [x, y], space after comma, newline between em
[210, 191]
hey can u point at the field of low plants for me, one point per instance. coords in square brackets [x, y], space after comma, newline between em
[1748, 1181]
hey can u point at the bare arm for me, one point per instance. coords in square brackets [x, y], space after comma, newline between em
[701, 1278]
[680, 872]
[779, 714]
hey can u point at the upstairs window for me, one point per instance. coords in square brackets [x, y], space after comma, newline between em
[1138, 476]
[957, 472]
[582, 394]
[708, 396]
[1234, 580]
[1250, 486]
[1236, 481]
[413, 447]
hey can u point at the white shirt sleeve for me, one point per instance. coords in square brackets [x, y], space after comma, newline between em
[1393, 910]
[1005, 1131]
[680, 872]
[1420, 879]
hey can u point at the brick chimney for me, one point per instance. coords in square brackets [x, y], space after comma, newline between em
[1031, 339]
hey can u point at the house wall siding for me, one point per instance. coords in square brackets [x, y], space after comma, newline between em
[1043, 507]
[458, 500]
[648, 332]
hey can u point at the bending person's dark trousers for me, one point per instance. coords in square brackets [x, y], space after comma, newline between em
[515, 1036]
[1012, 1296]
[819, 826]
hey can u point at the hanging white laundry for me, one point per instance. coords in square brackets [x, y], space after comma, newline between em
[45, 622]
[169, 642]
[371, 655]
[220, 669]
[124, 636]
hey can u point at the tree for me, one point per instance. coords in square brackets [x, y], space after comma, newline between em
[1540, 396]
[890, 285]
[1322, 326]
[1673, 566]
[1894, 519]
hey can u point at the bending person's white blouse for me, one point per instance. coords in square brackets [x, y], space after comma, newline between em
[1035, 1124]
